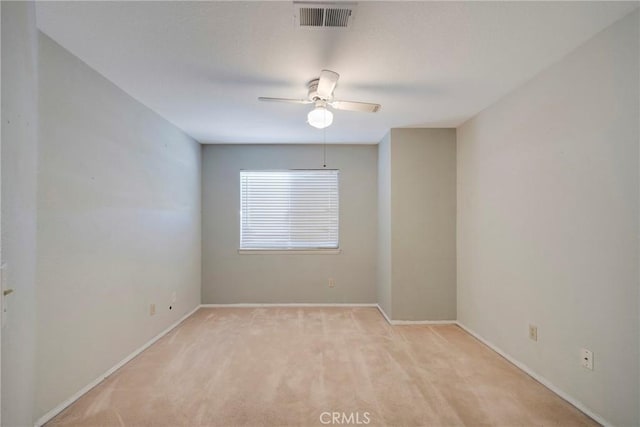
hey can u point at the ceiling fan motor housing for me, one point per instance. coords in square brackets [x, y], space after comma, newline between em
[313, 91]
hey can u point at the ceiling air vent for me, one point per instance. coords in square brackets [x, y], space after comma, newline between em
[324, 15]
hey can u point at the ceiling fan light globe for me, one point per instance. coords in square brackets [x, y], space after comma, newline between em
[320, 117]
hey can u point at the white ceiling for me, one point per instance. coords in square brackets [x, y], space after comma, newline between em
[202, 65]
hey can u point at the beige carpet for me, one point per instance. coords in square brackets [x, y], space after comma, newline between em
[298, 366]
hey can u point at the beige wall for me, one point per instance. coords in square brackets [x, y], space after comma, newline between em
[548, 223]
[423, 224]
[19, 168]
[229, 277]
[118, 225]
[417, 255]
[384, 225]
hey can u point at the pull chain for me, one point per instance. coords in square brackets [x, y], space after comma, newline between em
[324, 148]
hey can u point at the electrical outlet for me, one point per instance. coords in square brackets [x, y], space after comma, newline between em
[332, 283]
[586, 358]
[152, 309]
[533, 332]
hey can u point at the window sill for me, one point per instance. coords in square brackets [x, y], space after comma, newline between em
[289, 251]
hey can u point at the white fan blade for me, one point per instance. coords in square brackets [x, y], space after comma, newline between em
[364, 107]
[327, 83]
[291, 101]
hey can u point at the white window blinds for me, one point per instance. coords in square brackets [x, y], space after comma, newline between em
[289, 209]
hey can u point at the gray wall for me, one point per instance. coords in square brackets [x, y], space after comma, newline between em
[417, 211]
[548, 222]
[384, 225]
[423, 224]
[19, 168]
[229, 277]
[118, 225]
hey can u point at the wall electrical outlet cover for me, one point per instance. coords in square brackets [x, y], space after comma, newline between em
[152, 309]
[533, 332]
[586, 359]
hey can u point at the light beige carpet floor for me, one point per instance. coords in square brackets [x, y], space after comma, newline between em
[297, 366]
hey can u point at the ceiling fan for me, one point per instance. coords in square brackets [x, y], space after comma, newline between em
[321, 94]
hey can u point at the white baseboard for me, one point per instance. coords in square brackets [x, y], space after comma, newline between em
[545, 382]
[294, 304]
[384, 314]
[55, 411]
[415, 322]
[423, 322]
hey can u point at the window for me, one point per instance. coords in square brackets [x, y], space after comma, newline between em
[289, 210]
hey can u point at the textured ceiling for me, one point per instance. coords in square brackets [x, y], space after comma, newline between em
[201, 65]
